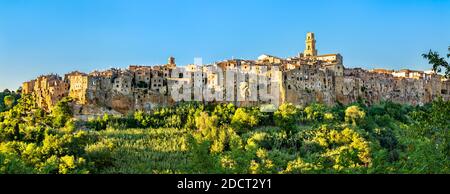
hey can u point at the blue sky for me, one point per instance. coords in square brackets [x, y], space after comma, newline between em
[44, 36]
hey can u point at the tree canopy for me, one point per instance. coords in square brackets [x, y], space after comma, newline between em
[439, 63]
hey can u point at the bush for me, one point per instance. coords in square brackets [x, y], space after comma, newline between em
[10, 163]
[315, 112]
[64, 165]
[354, 114]
[245, 119]
[299, 166]
[224, 113]
[286, 117]
[206, 125]
[8, 99]
[345, 148]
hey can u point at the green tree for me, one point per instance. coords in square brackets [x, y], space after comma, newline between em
[244, 119]
[62, 112]
[315, 112]
[438, 62]
[224, 112]
[141, 118]
[207, 125]
[9, 101]
[354, 114]
[286, 116]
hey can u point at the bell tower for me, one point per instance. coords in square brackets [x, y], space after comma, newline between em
[310, 41]
[171, 61]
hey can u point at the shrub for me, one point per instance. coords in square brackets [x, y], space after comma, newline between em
[72, 165]
[244, 119]
[354, 114]
[10, 163]
[315, 112]
[224, 113]
[345, 148]
[298, 166]
[206, 124]
[257, 140]
[64, 165]
[9, 101]
[286, 116]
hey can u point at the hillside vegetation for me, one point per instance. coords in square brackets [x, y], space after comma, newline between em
[197, 138]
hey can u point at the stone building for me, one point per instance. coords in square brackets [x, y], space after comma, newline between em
[47, 90]
[78, 86]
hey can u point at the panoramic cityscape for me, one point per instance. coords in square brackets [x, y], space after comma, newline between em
[300, 80]
[252, 95]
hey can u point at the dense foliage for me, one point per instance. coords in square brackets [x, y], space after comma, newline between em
[33, 141]
[196, 138]
[8, 99]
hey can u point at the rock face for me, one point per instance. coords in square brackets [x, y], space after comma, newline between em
[302, 80]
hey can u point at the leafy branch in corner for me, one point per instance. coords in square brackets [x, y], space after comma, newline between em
[438, 62]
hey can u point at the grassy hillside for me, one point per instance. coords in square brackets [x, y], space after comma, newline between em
[196, 138]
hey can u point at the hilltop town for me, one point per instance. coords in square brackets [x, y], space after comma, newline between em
[304, 79]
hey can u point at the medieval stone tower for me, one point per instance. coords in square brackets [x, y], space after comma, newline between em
[171, 60]
[310, 41]
[171, 63]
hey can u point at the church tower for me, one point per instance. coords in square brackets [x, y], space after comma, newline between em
[171, 62]
[310, 49]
